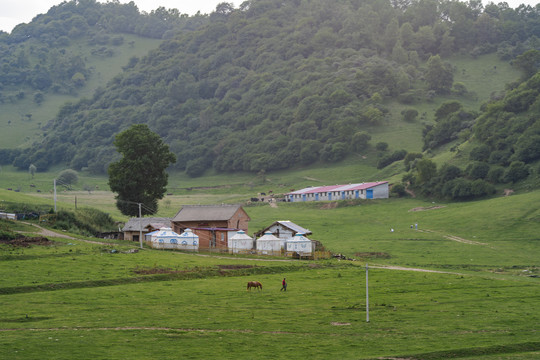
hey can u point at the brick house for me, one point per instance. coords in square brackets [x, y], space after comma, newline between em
[213, 224]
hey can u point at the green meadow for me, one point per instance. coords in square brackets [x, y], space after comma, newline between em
[463, 285]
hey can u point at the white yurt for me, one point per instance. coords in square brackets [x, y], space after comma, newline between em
[269, 244]
[240, 243]
[165, 238]
[300, 245]
[188, 241]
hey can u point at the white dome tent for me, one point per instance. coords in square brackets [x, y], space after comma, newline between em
[269, 244]
[189, 241]
[300, 245]
[240, 243]
[165, 238]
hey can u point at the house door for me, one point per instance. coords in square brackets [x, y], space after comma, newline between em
[369, 194]
[213, 240]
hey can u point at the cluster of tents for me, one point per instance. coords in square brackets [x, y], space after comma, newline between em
[267, 244]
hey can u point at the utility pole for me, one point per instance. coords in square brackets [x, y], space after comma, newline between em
[54, 195]
[367, 294]
[140, 226]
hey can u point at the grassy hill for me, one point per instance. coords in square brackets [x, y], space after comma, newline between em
[84, 299]
[17, 130]
[464, 284]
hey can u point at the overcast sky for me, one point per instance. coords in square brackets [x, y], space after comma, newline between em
[14, 12]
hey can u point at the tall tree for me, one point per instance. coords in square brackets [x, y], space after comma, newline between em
[439, 75]
[528, 62]
[140, 176]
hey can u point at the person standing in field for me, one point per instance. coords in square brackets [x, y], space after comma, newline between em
[283, 285]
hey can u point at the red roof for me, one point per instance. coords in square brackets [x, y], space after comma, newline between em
[331, 188]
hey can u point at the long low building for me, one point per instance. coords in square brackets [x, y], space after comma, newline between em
[369, 190]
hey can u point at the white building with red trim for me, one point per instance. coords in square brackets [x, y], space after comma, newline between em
[369, 190]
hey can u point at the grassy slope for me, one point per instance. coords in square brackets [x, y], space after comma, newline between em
[485, 310]
[481, 76]
[21, 131]
[322, 314]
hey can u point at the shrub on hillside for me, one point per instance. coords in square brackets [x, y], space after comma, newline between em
[516, 172]
[388, 159]
[398, 190]
[87, 221]
[68, 177]
[477, 170]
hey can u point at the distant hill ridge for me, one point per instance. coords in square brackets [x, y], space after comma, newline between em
[274, 84]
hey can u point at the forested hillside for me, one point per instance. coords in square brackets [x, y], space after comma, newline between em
[274, 84]
[34, 54]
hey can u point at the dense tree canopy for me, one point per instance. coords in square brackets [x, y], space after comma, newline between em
[273, 84]
[139, 176]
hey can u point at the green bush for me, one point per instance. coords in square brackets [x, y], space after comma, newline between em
[85, 221]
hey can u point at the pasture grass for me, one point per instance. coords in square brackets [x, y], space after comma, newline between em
[80, 299]
[496, 233]
[322, 314]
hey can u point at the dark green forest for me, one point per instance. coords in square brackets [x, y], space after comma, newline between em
[274, 84]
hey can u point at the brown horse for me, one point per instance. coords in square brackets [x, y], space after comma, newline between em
[254, 284]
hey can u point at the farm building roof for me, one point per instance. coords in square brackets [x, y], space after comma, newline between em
[156, 222]
[294, 227]
[330, 188]
[289, 225]
[206, 212]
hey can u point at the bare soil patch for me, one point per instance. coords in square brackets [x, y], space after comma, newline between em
[462, 240]
[158, 270]
[234, 267]
[328, 206]
[373, 255]
[427, 208]
[165, 270]
[24, 241]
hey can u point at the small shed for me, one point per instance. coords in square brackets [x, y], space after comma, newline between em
[300, 246]
[134, 226]
[240, 243]
[268, 244]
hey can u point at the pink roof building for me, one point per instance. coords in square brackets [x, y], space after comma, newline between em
[369, 190]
